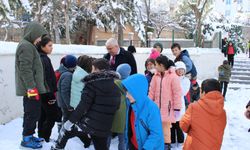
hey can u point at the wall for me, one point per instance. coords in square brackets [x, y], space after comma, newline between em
[206, 61]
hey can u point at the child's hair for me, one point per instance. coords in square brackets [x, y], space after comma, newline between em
[101, 64]
[131, 49]
[210, 85]
[149, 60]
[165, 61]
[159, 45]
[85, 62]
[174, 45]
[225, 62]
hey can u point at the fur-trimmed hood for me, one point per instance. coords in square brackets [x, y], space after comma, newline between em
[98, 76]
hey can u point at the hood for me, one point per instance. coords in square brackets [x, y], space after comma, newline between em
[79, 74]
[226, 67]
[169, 71]
[184, 53]
[33, 31]
[137, 86]
[62, 69]
[102, 75]
[213, 103]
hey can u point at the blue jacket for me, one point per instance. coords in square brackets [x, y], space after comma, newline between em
[148, 123]
[64, 87]
[77, 86]
[190, 67]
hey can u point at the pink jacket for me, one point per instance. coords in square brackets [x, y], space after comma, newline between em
[166, 92]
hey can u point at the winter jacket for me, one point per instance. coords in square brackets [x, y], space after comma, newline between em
[99, 101]
[234, 47]
[28, 66]
[190, 67]
[185, 86]
[166, 92]
[224, 72]
[76, 86]
[118, 125]
[204, 122]
[148, 125]
[50, 78]
[122, 58]
[64, 88]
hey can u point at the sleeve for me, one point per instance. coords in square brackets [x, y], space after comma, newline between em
[26, 63]
[66, 89]
[152, 89]
[176, 92]
[155, 130]
[185, 122]
[82, 108]
[187, 61]
[132, 63]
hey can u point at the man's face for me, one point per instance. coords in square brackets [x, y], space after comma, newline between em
[176, 51]
[112, 49]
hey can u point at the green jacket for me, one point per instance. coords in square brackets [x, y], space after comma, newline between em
[28, 66]
[224, 73]
[119, 122]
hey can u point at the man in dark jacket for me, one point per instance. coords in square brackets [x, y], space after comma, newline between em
[30, 83]
[95, 113]
[117, 55]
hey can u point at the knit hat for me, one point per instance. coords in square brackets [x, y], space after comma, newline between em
[180, 65]
[124, 70]
[154, 54]
[158, 44]
[70, 61]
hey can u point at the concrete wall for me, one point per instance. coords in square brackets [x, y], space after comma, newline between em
[11, 106]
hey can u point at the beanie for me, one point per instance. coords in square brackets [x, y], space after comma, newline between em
[70, 61]
[124, 70]
[180, 65]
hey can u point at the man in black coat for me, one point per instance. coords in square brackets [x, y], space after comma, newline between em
[117, 55]
[95, 113]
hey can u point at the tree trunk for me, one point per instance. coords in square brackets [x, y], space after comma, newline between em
[119, 28]
[6, 34]
[67, 3]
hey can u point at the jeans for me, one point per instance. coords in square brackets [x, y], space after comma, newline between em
[121, 140]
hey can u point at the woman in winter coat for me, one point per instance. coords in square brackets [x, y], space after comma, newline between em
[176, 131]
[83, 68]
[49, 107]
[231, 50]
[205, 120]
[165, 91]
[143, 121]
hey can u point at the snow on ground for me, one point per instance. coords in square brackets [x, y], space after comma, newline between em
[236, 136]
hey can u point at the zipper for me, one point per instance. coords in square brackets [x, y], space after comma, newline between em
[160, 91]
[144, 126]
[169, 108]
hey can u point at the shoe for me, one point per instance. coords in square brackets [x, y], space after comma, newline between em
[167, 147]
[55, 148]
[173, 145]
[28, 142]
[37, 139]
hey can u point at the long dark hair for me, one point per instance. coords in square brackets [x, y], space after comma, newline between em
[165, 61]
[44, 41]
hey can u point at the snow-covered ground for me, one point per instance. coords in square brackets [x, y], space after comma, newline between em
[236, 136]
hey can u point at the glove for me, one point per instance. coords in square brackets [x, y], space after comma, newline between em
[33, 94]
[177, 114]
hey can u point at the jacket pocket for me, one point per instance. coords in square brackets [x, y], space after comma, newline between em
[144, 126]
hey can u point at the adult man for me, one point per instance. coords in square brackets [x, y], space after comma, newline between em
[30, 81]
[117, 55]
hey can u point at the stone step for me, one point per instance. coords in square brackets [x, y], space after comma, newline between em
[239, 77]
[240, 81]
[240, 73]
[242, 65]
[241, 69]
[237, 88]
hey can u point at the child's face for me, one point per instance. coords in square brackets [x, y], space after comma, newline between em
[130, 98]
[180, 72]
[158, 48]
[176, 51]
[160, 67]
[150, 66]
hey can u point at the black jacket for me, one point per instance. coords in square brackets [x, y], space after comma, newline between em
[49, 76]
[123, 57]
[99, 101]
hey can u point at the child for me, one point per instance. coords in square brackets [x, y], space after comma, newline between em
[165, 91]
[176, 131]
[49, 107]
[158, 46]
[132, 49]
[231, 50]
[64, 86]
[224, 76]
[118, 126]
[184, 57]
[94, 114]
[143, 121]
[150, 69]
[205, 120]
[194, 92]
[83, 68]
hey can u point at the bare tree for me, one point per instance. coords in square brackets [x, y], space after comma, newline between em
[67, 25]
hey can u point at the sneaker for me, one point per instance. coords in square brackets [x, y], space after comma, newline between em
[28, 142]
[37, 139]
